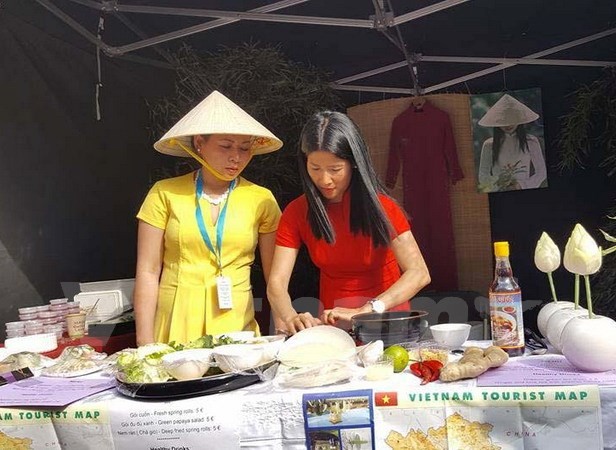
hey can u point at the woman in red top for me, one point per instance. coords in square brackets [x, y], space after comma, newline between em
[356, 234]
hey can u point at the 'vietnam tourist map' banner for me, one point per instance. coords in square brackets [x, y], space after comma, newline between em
[489, 418]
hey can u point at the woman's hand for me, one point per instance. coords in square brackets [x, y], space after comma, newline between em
[300, 322]
[331, 316]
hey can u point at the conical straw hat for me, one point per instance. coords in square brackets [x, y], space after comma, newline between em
[508, 111]
[216, 114]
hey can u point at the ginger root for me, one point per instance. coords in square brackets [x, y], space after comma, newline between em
[473, 363]
[495, 356]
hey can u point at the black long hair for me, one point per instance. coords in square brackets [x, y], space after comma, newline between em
[499, 137]
[337, 134]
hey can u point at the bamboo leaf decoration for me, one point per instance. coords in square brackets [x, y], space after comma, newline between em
[591, 125]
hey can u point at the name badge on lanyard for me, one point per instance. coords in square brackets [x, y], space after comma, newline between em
[223, 283]
[223, 289]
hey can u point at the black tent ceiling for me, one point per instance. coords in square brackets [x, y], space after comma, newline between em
[447, 40]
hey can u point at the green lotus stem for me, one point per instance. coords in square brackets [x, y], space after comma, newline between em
[588, 297]
[552, 287]
[576, 292]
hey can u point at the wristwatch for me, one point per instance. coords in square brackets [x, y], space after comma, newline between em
[377, 306]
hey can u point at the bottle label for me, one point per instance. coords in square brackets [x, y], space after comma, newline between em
[507, 320]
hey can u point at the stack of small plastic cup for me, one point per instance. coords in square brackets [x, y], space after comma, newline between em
[15, 329]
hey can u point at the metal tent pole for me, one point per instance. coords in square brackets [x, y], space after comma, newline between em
[480, 60]
[135, 29]
[384, 89]
[533, 59]
[427, 11]
[199, 28]
[227, 17]
[73, 24]
[549, 51]
[522, 61]
[383, 20]
[114, 8]
[99, 6]
[240, 15]
[372, 72]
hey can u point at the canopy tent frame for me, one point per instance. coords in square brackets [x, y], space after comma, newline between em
[382, 21]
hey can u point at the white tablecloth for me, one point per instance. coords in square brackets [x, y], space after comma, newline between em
[266, 416]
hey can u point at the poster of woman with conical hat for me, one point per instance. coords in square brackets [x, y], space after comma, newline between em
[508, 141]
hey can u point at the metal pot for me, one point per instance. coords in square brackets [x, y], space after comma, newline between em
[391, 327]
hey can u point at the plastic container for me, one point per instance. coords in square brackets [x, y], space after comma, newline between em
[14, 333]
[426, 351]
[30, 316]
[14, 325]
[125, 287]
[58, 301]
[380, 369]
[101, 305]
[38, 343]
[56, 329]
[34, 331]
[61, 307]
[40, 309]
[28, 310]
[50, 321]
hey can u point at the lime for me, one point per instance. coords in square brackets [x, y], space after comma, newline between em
[399, 355]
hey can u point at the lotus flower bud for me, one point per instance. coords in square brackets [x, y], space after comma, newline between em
[582, 254]
[547, 254]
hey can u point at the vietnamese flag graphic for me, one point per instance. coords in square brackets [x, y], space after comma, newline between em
[386, 399]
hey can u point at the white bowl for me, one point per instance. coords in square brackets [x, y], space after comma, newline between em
[270, 345]
[188, 364]
[241, 336]
[238, 357]
[451, 334]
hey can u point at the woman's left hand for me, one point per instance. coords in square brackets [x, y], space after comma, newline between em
[331, 316]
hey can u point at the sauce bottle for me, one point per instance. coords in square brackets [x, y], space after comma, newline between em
[506, 305]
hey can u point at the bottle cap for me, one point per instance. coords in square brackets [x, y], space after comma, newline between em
[501, 248]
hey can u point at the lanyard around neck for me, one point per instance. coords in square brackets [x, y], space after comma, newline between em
[220, 223]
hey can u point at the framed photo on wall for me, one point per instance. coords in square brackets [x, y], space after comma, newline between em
[508, 140]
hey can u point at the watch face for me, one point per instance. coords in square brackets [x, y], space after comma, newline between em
[378, 306]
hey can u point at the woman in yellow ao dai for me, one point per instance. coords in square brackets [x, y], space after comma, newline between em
[176, 291]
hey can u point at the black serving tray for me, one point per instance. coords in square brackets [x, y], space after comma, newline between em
[124, 324]
[208, 385]
[108, 329]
